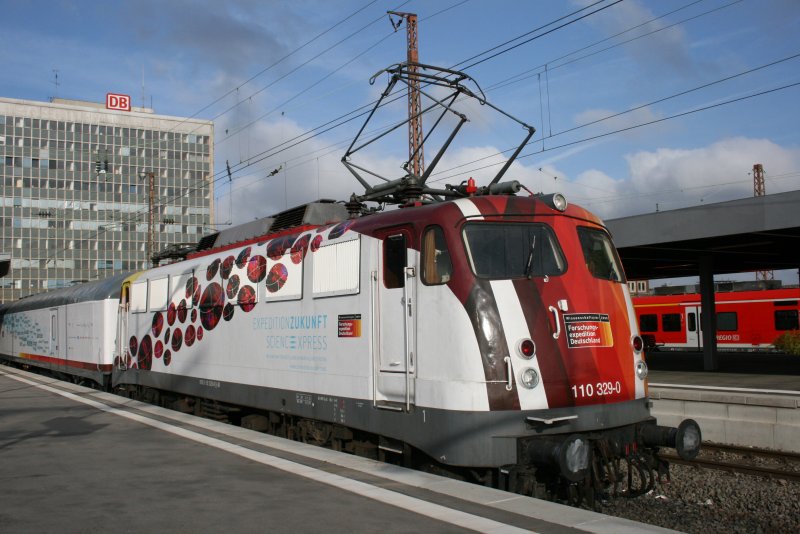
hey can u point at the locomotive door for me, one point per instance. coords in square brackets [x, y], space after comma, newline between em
[395, 305]
[693, 336]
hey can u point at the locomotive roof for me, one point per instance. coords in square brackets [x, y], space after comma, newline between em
[322, 213]
[489, 207]
[314, 213]
[108, 288]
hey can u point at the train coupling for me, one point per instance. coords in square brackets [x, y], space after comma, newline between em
[685, 439]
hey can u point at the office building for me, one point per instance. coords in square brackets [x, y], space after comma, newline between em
[75, 189]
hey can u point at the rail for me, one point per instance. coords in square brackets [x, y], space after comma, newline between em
[743, 463]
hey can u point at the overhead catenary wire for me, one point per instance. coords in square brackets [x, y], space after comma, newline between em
[635, 108]
[544, 67]
[531, 39]
[635, 126]
[369, 105]
[319, 130]
[216, 176]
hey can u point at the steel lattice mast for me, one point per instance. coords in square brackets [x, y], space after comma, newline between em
[416, 157]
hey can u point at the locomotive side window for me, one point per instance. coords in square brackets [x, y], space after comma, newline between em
[139, 297]
[436, 265]
[158, 294]
[727, 322]
[394, 261]
[671, 322]
[335, 271]
[648, 322]
[786, 320]
[600, 255]
[502, 251]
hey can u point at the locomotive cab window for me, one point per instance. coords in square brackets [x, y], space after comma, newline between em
[436, 265]
[600, 255]
[502, 251]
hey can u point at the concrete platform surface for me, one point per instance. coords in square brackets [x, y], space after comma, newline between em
[77, 460]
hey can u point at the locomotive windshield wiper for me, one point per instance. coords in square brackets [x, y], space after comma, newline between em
[529, 265]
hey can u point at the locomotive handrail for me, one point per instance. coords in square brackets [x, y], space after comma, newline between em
[509, 373]
[557, 333]
[408, 273]
[375, 332]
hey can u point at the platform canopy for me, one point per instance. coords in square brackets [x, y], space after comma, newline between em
[760, 233]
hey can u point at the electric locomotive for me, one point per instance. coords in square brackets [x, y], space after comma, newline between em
[475, 332]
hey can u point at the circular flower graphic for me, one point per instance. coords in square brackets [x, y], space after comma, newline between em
[211, 306]
[276, 277]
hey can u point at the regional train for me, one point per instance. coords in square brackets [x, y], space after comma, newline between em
[746, 320]
[473, 332]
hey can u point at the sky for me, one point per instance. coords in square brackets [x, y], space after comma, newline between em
[639, 105]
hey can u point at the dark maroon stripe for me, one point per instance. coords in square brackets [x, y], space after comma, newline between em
[549, 355]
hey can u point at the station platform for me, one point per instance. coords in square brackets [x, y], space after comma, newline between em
[78, 460]
[751, 400]
[747, 370]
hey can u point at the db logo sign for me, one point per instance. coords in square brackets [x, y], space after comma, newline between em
[121, 102]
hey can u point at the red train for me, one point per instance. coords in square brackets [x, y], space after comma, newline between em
[746, 320]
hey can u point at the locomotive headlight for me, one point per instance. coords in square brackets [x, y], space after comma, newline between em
[637, 343]
[526, 348]
[557, 201]
[560, 202]
[529, 378]
[641, 369]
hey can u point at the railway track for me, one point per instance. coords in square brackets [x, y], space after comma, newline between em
[745, 460]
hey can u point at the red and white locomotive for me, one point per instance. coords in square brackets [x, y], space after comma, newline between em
[491, 336]
[746, 320]
[491, 332]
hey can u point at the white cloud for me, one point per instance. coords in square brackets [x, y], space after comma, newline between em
[675, 178]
